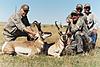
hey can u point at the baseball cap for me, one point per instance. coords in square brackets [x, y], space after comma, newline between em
[25, 7]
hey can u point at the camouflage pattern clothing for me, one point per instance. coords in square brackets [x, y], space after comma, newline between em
[77, 33]
[14, 27]
[79, 24]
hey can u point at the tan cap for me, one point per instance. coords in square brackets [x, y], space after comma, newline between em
[87, 5]
[79, 6]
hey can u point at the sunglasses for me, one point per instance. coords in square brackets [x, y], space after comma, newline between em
[74, 14]
[26, 11]
[79, 8]
[87, 7]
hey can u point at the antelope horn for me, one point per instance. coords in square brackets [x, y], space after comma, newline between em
[68, 29]
[60, 32]
[57, 25]
[38, 25]
[35, 21]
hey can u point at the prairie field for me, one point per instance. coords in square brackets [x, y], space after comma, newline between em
[91, 60]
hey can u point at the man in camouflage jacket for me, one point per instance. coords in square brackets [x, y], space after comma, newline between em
[18, 25]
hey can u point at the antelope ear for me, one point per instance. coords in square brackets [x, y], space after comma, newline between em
[46, 35]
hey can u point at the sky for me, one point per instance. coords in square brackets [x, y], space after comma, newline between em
[45, 11]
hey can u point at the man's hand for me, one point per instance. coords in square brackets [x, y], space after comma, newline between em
[30, 31]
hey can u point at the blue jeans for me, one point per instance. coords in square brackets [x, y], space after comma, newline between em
[94, 37]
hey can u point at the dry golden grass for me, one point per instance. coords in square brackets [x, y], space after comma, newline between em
[1, 33]
[92, 60]
[98, 40]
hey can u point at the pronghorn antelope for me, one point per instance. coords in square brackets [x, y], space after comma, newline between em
[26, 48]
[57, 48]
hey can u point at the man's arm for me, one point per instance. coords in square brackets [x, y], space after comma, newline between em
[29, 30]
[17, 21]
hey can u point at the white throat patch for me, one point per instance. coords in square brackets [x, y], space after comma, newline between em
[4, 46]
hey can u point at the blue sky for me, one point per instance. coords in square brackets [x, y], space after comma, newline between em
[45, 11]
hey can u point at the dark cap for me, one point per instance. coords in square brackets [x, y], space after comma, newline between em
[74, 13]
[25, 7]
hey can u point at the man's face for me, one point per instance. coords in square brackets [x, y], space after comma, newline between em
[87, 9]
[24, 12]
[94, 31]
[75, 18]
[79, 10]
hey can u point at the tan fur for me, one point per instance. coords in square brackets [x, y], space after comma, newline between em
[56, 49]
[34, 46]
[29, 47]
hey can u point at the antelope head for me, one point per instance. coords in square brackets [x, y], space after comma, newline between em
[44, 35]
[63, 35]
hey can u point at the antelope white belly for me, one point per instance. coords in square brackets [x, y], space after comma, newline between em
[22, 50]
[4, 45]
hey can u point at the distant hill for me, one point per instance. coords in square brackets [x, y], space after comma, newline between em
[3, 23]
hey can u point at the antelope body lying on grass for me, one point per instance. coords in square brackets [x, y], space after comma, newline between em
[26, 48]
[23, 47]
[57, 48]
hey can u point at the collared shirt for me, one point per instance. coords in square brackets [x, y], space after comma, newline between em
[91, 18]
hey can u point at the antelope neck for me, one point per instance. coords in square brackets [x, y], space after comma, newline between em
[63, 43]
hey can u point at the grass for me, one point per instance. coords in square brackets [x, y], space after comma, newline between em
[92, 60]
